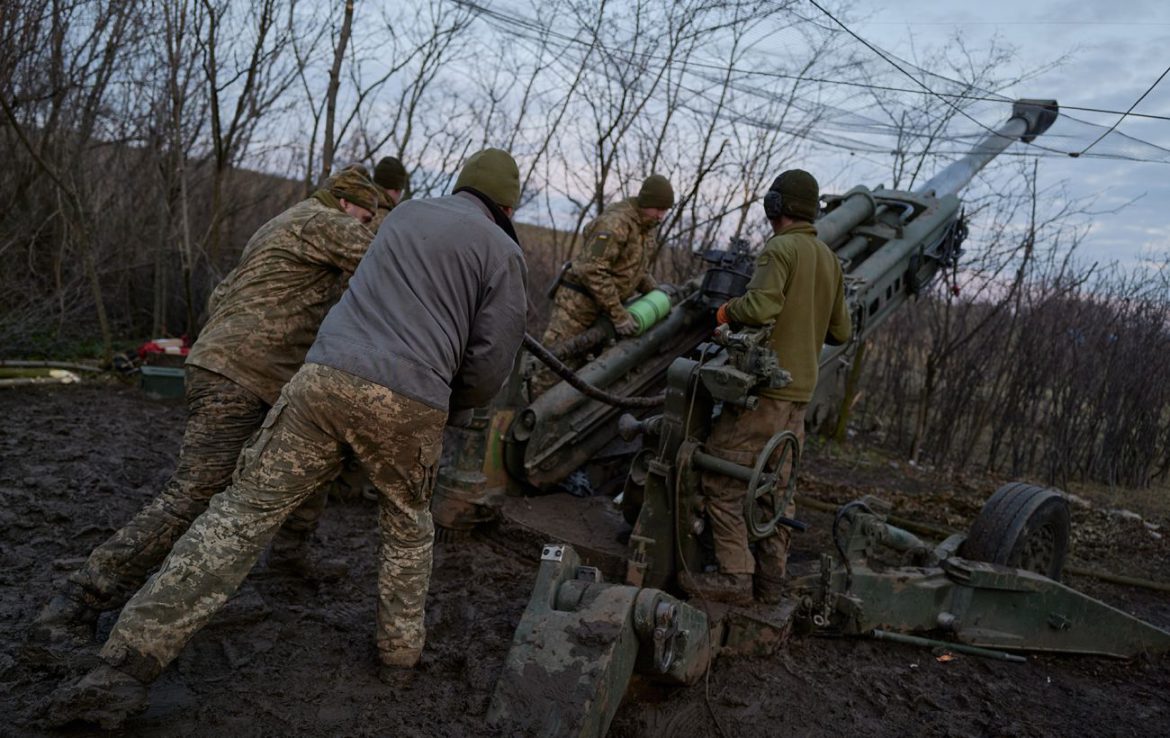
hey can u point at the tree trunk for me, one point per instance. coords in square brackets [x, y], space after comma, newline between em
[334, 85]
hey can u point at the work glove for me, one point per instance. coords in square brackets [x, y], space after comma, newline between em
[721, 316]
[626, 327]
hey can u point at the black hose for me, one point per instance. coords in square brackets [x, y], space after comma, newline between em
[559, 368]
[836, 533]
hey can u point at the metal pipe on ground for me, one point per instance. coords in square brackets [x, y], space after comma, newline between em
[884, 635]
[23, 364]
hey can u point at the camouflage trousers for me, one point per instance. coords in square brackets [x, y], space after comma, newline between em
[573, 313]
[222, 416]
[322, 414]
[739, 435]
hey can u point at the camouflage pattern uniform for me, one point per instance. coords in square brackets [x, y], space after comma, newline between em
[611, 268]
[376, 384]
[302, 444]
[264, 316]
[430, 325]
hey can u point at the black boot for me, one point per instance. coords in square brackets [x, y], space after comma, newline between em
[67, 622]
[104, 697]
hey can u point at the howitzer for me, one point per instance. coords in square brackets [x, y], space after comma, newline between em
[892, 243]
[601, 611]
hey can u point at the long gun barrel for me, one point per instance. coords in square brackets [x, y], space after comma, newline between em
[891, 243]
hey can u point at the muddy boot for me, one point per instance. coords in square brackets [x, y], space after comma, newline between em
[769, 590]
[734, 589]
[396, 676]
[291, 557]
[104, 697]
[398, 668]
[66, 623]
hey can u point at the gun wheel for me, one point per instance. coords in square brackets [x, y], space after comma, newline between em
[766, 501]
[1022, 526]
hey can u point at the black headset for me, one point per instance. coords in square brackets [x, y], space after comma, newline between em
[773, 201]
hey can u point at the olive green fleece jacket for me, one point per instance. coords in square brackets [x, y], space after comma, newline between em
[798, 284]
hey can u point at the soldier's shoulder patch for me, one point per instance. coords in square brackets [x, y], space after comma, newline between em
[601, 240]
[763, 259]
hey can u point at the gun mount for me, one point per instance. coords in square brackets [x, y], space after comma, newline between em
[582, 637]
[995, 588]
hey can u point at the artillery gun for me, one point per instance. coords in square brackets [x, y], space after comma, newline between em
[602, 611]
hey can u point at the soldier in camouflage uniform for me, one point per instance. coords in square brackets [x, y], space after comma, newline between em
[612, 267]
[264, 316]
[798, 284]
[290, 548]
[429, 326]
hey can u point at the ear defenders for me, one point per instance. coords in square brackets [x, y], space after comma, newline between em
[773, 201]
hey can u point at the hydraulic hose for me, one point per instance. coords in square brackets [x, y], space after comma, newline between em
[559, 368]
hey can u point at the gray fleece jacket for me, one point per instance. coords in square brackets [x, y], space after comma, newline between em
[436, 309]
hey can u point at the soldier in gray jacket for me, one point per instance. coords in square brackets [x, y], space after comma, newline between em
[430, 325]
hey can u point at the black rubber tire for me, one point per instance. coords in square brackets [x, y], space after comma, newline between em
[1022, 526]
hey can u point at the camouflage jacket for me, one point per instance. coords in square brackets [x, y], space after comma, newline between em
[614, 259]
[265, 313]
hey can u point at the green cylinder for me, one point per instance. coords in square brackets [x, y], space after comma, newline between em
[649, 309]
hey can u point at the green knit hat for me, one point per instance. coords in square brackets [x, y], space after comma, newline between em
[799, 193]
[390, 174]
[355, 186]
[656, 192]
[494, 173]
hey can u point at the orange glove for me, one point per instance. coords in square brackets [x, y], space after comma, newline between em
[721, 316]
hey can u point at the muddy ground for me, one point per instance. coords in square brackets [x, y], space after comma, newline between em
[292, 659]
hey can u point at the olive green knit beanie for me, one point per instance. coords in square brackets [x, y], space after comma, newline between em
[656, 192]
[800, 194]
[390, 174]
[494, 173]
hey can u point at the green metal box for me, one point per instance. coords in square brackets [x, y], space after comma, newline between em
[162, 382]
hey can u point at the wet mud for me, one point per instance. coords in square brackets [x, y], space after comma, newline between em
[290, 658]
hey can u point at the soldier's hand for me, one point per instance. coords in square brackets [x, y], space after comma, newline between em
[626, 327]
[669, 289]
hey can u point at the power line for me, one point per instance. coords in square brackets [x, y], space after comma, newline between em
[1123, 115]
[991, 98]
[885, 57]
[881, 54]
[536, 27]
[511, 23]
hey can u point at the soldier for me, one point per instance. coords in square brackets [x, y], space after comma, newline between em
[610, 269]
[264, 316]
[798, 284]
[429, 327]
[391, 177]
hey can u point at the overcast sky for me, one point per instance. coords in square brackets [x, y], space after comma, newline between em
[1116, 50]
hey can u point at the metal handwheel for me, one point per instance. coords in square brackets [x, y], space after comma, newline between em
[762, 506]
